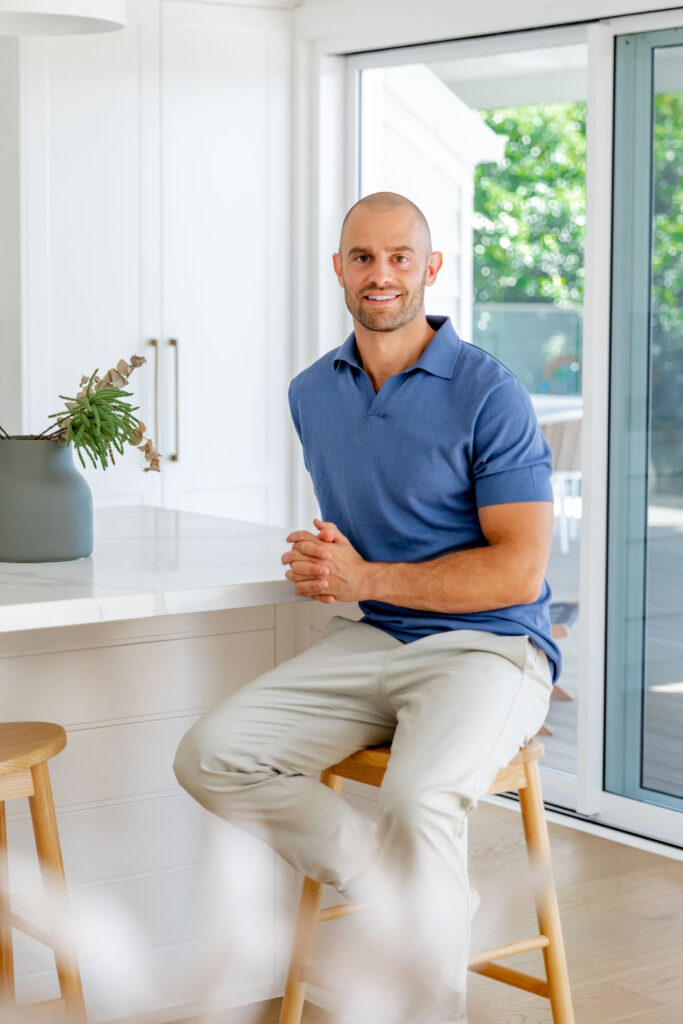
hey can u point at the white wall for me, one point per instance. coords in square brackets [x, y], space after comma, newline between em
[10, 319]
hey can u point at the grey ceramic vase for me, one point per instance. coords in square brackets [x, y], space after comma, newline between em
[45, 503]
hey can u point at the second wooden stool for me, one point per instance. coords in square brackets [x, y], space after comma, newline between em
[25, 748]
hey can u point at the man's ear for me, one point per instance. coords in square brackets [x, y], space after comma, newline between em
[433, 267]
[336, 260]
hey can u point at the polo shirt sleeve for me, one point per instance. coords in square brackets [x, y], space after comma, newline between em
[512, 459]
[296, 419]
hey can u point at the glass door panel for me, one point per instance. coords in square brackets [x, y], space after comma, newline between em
[644, 712]
[493, 149]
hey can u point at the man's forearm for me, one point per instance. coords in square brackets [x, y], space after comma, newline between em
[475, 580]
[508, 570]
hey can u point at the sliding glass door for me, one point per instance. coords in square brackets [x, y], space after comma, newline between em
[536, 155]
[644, 698]
[492, 146]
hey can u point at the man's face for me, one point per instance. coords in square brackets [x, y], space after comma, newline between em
[384, 266]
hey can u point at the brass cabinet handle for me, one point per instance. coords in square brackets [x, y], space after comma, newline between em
[175, 457]
[155, 345]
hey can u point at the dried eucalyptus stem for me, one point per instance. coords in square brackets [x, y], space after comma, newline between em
[99, 419]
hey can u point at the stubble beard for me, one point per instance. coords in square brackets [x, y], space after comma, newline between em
[381, 321]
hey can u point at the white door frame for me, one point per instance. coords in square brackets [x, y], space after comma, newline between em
[325, 176]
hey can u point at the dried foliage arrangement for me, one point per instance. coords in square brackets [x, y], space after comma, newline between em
[99, 419]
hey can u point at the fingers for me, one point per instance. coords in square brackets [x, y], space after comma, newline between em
[304, 547]
[304, 566]
[306, 571]
[298, 535]
[328, 531]
[303, 572]
[321, 523]
[309, 588]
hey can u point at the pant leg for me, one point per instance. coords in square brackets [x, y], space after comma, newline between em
[254, 758]
[465, 702]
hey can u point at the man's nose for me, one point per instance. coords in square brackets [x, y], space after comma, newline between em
[383, 272]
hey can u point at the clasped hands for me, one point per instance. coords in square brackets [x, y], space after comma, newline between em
[325, 566]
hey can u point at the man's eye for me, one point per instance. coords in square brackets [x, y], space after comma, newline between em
[362, 258]
[401, 259]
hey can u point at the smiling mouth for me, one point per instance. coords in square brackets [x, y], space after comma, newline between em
[381, 298]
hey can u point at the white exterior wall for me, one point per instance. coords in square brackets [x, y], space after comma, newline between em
[421, 140]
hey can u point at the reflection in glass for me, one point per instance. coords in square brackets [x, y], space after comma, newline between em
[662, 768]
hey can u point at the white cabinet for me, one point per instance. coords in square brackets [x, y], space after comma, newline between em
[155, 194]
[90, 236]
[225, 258]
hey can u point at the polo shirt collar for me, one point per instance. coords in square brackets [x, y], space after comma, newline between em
[438, 358]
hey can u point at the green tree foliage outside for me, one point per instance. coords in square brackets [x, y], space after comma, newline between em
[529, 229]
[667, 247]
[666, 374]
[530, 213]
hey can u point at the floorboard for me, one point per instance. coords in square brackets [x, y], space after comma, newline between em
[622, 916]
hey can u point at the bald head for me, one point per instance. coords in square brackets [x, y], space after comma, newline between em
[385, 262]
[388, 202]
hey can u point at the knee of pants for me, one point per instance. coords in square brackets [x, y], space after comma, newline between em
[187, 763]
[200, 769]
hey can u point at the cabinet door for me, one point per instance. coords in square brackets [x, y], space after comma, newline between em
[90, 233]
[225, 189]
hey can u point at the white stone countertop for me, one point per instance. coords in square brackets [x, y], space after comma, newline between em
[148, 561]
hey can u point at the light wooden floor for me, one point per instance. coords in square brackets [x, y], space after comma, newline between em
[622, 914]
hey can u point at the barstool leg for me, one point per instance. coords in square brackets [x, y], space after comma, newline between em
[547, 910]
[306, 924]
[6, 956]
[50, 857]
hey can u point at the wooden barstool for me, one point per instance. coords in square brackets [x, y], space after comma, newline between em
[522, 774]
[25, 748]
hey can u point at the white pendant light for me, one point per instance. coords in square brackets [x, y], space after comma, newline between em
[60, 17]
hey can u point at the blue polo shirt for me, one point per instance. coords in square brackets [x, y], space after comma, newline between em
[403, 471]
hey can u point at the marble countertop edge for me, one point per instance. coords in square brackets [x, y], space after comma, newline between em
[81, 611]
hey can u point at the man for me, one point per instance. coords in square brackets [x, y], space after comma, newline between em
[434, 481]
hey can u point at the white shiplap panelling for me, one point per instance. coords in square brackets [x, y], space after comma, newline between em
[161, 676]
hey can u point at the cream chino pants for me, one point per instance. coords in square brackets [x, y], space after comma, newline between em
[456, 706]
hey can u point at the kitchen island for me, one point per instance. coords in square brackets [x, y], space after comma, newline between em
[176, 911]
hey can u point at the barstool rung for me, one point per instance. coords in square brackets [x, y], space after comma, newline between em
[528, 982]
[27, 927]
[341, 910]
[511, 949]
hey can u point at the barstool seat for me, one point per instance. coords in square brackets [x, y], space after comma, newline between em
[521, 774]
[25, 748]
[23, 744]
